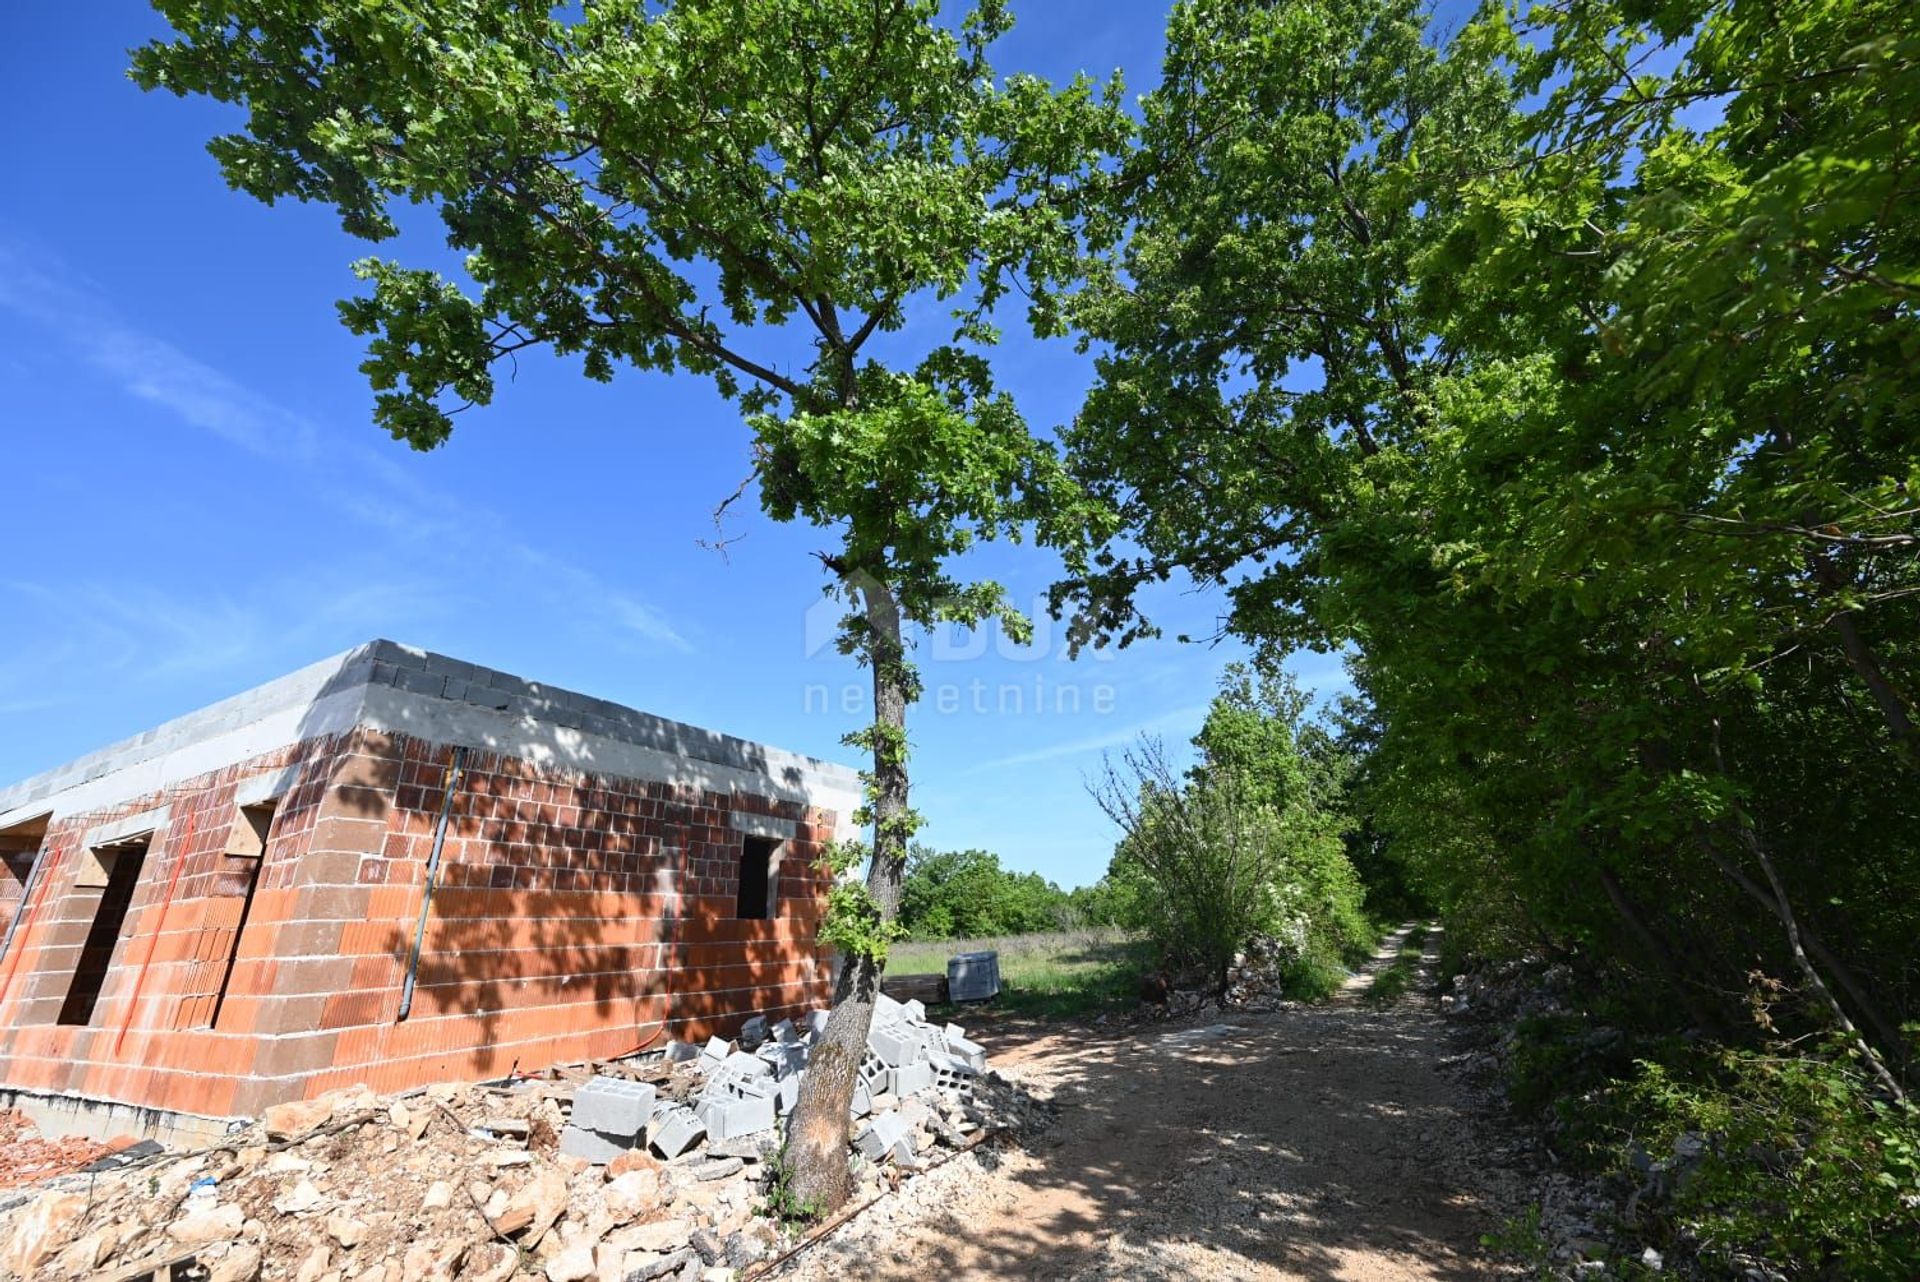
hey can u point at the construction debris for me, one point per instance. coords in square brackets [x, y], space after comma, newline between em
[654, 1166]
[25, 1157]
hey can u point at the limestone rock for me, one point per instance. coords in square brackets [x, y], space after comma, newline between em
[346, 1230]
[634, 1159]
[642, 1269]
[358, 1098]
[298, 1118]
[661, 1235]
[215, 1224]
[632, 1195]
[574, 1264]
[88, 1253]
[40, 1231]
[490, 1262]
[501, 1158]
[315, 1265]
[435, 1261]
[242, 1264]
[301, 1198]
[540, 1201]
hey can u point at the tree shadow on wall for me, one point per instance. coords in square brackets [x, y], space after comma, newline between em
[515, 959]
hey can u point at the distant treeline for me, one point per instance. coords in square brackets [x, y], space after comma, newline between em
[961, 894]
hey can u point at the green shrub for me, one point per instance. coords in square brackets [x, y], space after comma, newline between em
[1802, 1161]
[1248, 842]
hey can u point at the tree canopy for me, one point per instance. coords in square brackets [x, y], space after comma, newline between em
[1564, 368]
[748, 190]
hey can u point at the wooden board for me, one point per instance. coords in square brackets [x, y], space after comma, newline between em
[929, 989]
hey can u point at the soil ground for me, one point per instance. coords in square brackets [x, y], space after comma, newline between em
[1326, 1142]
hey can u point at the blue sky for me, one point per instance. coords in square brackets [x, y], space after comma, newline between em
[198, 501]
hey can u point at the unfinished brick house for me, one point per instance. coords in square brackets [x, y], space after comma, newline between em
[394, 868]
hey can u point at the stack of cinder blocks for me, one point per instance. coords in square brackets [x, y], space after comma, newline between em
[918, 1055]
[752, 1083]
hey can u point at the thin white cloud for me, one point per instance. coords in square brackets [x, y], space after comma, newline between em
[361, 482]
[1187, 718]
[145, 634]
[162, 374]
[644, 622]
[151, 368]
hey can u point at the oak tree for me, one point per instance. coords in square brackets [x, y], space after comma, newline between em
[686, 186]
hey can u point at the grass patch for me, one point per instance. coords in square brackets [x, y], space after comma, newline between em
[1311, 979]
[1392, 983]
[1057, 974]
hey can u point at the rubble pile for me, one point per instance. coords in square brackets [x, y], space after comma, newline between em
[1256, 983]
[651, 1167]
[1579, 1220]
[25, 1156]
[1257, 979]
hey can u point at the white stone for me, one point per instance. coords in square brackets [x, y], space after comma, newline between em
[215, 1224]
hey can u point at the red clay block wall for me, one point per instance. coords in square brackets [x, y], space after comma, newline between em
[149, 1041]
[555, 931]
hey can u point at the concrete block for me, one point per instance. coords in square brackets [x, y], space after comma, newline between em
[741, 1064]
[952, 1074]
[862, 1100]
[785, 1033]
[972, 1054]
[932, 1041]
[882, 1136]
[716, 1050]
[681, 1052]
[887, 1009]
[892, 1044]
[816, 1023]
[784, 1060]
[613, 1106]
[753, 1032]
[674, 1129]
[910, 1079]
[743, 1087]
[789, 1095]
[954, 1030]
[728, 1116]
[419, 681]
[592, 1146]
[916, 1010]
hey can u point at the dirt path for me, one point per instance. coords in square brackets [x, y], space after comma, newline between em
[1310, 1143]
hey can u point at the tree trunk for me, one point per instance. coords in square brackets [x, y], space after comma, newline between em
[816, 1151]
[1860, 657]
[1784, 910]
[1884, 1031]
[1658, 951]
